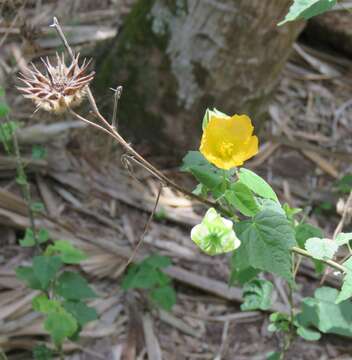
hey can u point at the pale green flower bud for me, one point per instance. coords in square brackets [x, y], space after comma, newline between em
[215, 234]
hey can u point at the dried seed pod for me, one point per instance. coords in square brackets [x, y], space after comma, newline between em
[60, 88]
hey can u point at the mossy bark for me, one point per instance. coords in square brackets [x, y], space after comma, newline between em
[175, 58]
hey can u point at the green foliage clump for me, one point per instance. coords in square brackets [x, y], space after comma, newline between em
[148, 275]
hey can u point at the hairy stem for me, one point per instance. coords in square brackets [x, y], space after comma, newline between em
[331, 263]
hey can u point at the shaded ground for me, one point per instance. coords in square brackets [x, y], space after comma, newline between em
[93, 201]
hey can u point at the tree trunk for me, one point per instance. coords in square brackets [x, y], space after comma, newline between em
[175, 58]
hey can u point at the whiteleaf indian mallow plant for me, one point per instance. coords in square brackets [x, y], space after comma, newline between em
[262, 235]
[243, 218]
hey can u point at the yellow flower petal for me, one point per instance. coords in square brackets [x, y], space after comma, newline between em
[228, 142]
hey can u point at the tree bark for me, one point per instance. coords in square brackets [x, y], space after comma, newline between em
[175, 58]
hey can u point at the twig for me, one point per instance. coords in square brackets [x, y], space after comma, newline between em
[127, 147]
[338, 229]
[117, 95]
[147, 225]
[340, 225]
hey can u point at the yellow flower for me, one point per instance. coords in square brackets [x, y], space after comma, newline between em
[228, 141]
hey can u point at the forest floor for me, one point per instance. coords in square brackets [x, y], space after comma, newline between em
[93, 201]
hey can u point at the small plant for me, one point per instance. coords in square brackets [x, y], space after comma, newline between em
[63, 293]
[148, 275]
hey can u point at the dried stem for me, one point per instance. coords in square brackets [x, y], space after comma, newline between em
[147, 225]
[340, 225]
[108, 128]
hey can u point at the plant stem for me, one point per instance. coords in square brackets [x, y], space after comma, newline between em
[26, 190]
[331, 263]
[60, 352]
[2, 355]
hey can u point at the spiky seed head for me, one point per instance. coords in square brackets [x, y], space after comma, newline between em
[61, 86]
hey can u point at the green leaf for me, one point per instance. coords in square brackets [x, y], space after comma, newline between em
[195, 158]
[143, 277]
[41, 352]
[38, 152]
[344, 185]
[308, 334]
[160, 214]
[207, 174]
[343, 238]
[240, 276]
[157, 261]
[81, 312]
[268, 204]
[305, 9]
[43, 304]
[273, 355]
[147, 274]
[291, 212]
[67, 252]
[72, 286]
[60, 325]
[207, 177]
[279, 322]
[165, 297]
[306, 231]
[2, 92]
[38, 207]
[257, 295]
[43, 236]
[346, 290]
[257, 184]
[242, 198]
[266, 243]
[45, 269]
[322, 313]
[28, 240]
[321, 249]
[4, 109]
[26, 274]
[21, 180]
[201, 190]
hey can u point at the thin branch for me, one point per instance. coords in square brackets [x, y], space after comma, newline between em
[340, 225]
[58, 28]
[117, 95]
[146, 228]
[331, 263]
[127, 147]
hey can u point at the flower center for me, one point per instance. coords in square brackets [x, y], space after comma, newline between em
[226, 149]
